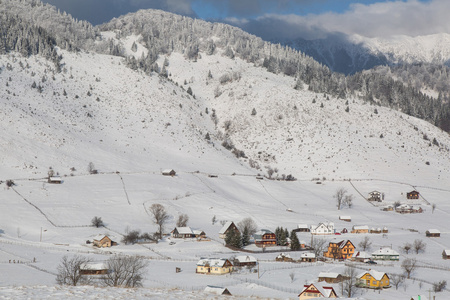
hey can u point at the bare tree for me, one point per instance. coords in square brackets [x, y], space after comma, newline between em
[342, 198]
[409, 265]
[247, 224]
[318, 246]
[125, 271]
[182, 221]
[439, 286]
[348, 285]
[406, 247]
[214, 220]
[91, 168]
[365, 243]
[97, 222]
[131, 237]
[160, 217]
[419, 246]
[69, 271]
[396, 280]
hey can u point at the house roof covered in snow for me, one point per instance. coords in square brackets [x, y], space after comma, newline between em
[385, 251]
[375, 274]
[184, 230]
[245, 258]
[212, 262]
[225, 227]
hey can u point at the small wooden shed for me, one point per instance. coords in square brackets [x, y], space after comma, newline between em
[169, 172]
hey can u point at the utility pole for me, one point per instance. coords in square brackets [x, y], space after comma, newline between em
[40, 238]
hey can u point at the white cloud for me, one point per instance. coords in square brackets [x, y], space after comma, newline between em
[381, 19]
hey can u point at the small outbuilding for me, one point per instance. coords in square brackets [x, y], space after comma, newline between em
[329, 277]
[216, 290]
[93, 269]
[169, 172]
[308, 257]
[55, 180]
[245, 260]
[433, 233]
[345, 218]
[446, 254]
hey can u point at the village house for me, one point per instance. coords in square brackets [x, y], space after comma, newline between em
[360, 229]
[344, 230]
[216, 290]
[169, 172]
[105, 241]
[302, 228]
[340, 250]
[264, 238]
[385, 230]
[322, 229]
[446, 254]
[385, 254]
[317, 290]
[55, 180]
[214, 266]
[433, 233]
[361, 256]
[329, 277]
[199, 234]
[93, 268]
[182, 233]
[308, 257]
[375, 196]
[412, 195]
[245, 260]
[345, 218]
[226, 228]
[373, 280]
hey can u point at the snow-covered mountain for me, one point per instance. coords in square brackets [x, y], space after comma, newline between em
[352, 53]
[200, 110]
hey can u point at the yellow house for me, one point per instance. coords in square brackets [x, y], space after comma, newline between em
[373, 280]
[103, 242]
[340, 250]
[215, 266]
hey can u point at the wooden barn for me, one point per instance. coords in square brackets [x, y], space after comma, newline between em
[93, 269]
[433, 233]
[105, 241]
[226, 228]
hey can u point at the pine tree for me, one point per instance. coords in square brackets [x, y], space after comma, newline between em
[233, 239]
[245, 237]
[282, 240]
[295, 244]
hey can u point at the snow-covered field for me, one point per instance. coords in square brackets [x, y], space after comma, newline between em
[132, 126]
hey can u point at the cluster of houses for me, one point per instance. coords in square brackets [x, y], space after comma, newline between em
[376, 196]
[328, 228]
[368, 279]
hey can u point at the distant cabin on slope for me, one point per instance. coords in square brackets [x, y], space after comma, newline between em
[93, 269]
[216, 290]
[412, 195]
[169, 172]
[55, 180]
[375, 196]
[226, 228]
[433, 233]
[105, 241]
[245, 260]
[385, 254]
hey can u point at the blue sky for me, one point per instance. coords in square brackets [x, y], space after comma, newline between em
[287, 19]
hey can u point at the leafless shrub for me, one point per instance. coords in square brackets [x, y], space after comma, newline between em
[69, 271]
[125, 271]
